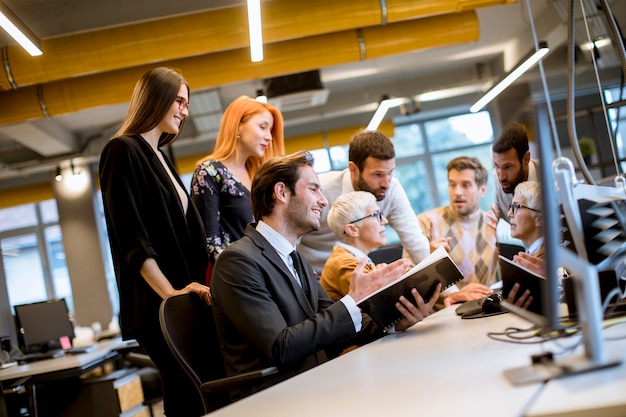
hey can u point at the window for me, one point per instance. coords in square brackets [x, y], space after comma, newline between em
[322, 160]
[107, 258]
[423, 150]
[617, 117]
[33, 257]
[23, 269]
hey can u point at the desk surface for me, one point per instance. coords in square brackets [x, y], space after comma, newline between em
[443, 366]
[601, 393]
[67, 362]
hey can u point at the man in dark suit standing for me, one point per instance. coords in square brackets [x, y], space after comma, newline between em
[270, 309]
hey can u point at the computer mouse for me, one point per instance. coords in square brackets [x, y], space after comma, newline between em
[491, 304]
[480, 307]
[470, 308]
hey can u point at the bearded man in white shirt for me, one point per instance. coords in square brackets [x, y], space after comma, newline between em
[370, 168]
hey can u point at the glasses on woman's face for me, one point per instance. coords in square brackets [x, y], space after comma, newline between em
[514, 208]
[182, 103]
[377, 214]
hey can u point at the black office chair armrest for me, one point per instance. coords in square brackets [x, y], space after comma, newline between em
[128, 346]
[234, 381]
[139, 359]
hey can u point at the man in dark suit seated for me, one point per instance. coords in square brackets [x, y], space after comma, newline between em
[271, 312]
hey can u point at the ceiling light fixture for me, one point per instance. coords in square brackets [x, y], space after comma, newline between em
[598, 43]
[386, 103]
[75, 171]
[450, 92]
[255, 30]
[19, 31]
[58, 176]
[523, 66]
[260, 96]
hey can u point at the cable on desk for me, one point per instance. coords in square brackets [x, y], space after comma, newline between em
[537, 335]
[510, 335]
[612, 322]
[608, 309]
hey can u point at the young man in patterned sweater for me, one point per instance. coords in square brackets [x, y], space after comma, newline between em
[466, 231]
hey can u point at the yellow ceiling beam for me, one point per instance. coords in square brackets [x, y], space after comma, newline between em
[211, 70]
[206, 32]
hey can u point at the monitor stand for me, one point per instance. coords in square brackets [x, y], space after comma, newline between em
[550, 369]
[594, 357]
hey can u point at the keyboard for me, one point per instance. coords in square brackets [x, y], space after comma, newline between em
[80, 349]
[38, 356]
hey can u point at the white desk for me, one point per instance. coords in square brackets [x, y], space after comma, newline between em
[64, 367]
[597, 394]
[67, 363]
[443, 366]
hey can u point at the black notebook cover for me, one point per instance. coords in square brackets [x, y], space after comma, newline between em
[512, 273]
[437, 267]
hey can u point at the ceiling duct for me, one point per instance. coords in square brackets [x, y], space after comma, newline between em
[296, 91]
[591, 31]
[211, 70]
[212, 31]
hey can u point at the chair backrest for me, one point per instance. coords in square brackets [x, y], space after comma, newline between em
[189, 330]
[508, 250]
[386, 254]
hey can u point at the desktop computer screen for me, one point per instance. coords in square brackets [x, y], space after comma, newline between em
[603, 239]
[41, 325]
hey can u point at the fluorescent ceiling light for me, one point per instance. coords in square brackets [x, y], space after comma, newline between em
[332, 75]
[255, 30]
[385, 104]
[597, 43]
[19, 31]
[449, 92]
[513, 75]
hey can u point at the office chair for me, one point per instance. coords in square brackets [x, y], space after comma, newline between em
[508, 250]
[190, 332]
[386, 254]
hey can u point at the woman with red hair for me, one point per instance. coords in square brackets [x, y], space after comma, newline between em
[251, 132]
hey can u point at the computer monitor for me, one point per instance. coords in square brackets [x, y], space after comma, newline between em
[561, 181]
[599, 220]
[41, 325]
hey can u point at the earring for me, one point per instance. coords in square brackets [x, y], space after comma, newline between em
[238, 135]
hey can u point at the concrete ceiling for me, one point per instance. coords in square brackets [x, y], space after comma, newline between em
[64, 105]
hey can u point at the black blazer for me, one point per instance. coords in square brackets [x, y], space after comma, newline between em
[264, 318]
[145, 218]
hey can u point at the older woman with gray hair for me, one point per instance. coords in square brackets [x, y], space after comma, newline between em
[360, 226]
[356, 219]
[526, 217]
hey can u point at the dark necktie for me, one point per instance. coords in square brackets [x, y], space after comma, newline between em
[297, 264]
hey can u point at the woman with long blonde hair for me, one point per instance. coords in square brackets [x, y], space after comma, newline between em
[251, 132]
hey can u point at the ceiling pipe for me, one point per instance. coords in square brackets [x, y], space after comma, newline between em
[211, 70]
[206, 32]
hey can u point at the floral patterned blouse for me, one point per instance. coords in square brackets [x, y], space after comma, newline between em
[223, 203]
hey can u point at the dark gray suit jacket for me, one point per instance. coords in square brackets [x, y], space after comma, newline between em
[264, 318]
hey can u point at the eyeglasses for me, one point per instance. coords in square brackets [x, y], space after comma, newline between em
[377, 214]
[182, 103]
[516, 206]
